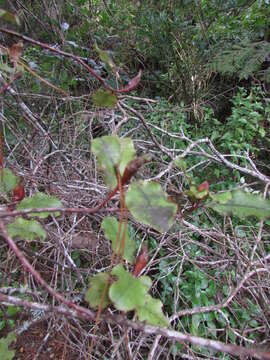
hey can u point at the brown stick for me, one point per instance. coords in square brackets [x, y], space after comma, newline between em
[16, 76]
[147, 329]
[37, 276]
[59, 52]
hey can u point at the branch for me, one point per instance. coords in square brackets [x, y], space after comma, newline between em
[147, 329]
[38, 278]
[71, 56]
[15, 77]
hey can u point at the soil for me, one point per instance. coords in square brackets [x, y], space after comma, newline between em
[35, 343]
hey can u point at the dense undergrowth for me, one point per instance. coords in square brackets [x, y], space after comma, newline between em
[204, 99]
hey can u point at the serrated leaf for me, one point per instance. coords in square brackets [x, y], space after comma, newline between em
[110, 226]
[40, 200]
[5, 352]
[128, 292]
[222, 198]
[149, 204]
[6, 15]
[26, 229]
[94, 293]
[9, 181]
[104, 98]
[111, 151]
[151, 312]
[241, 204]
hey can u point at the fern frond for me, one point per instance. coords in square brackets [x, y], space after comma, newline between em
[242, 60]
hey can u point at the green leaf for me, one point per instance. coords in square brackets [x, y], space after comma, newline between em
[194, 194]
[106, 57]
[152, 313]
[13, 310]
[241, 204]
[128, 292]
[107, 149]
[127, 153]
[40, 200]
[93, 296]
[111, 151]
[7, 69]
[195, 323]
[26, 229]
[6, 15]
[149, 204]
[9, 181]
[104, 98]
[180, 163]
[5, 353]
[110, 226]
[222, 198]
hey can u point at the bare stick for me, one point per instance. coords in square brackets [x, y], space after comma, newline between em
[37, 276]
[65, 54]
[147, 329]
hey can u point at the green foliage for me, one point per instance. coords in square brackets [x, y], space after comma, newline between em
[242, 204]
[9, 181]
[127, 153]
[110, 226]
[129, 293]
[151, 312]
[199, 290]
[26, 229]
[5, 68]
[106, 57]
[247, 127]
[112, 151]
[104, 98]
[5, 352]
[98, 290]
[7, 16]
[126, 293]
[149, 204]
[176, 44]
[7, 318]
[243, 60]
[40, 200]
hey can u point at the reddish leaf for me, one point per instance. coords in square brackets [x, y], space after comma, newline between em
[18, 192]
[133, 83]
[141, 261]
[203, 186]
[15, 52]
[133, 166]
